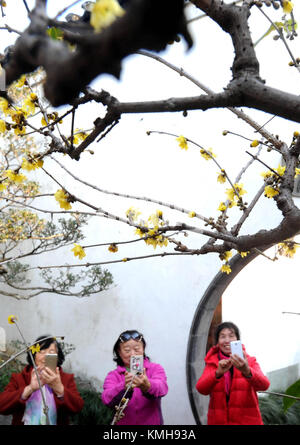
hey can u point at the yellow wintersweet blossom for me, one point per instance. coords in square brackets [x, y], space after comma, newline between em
[221, 177]
[207, 154]
[12, 319]
[20, 82]
[113, 248]
[132, 213]
[280, 169]
[78, 251]
[226, 269]
[287, 248]
[19, 130]
[192, 214]
[222, 207]
[254, 143]
[287, 6]
[104, 13]
[270, 191]
[28, 105]
[35, 348]
[238, 190]
[244, 254]
[2, 126]
[296, 134]
[32, 164]
[297, 171]
[182, 142]
[15, 177]
[4, 106]
[62, 198]
[3, 186]
[156, 240]
[226, 255]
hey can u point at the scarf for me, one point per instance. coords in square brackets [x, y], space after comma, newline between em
[227, 374]
[34, 411]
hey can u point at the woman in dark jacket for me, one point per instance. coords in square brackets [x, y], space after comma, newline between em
[22, 397]
[231, 382]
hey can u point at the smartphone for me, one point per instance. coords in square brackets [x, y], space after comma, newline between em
[136, 364]
[51, 361]
[236, 348]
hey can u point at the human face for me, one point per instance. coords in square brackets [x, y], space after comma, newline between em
[129, 348]
[40, 356]
[225, 337]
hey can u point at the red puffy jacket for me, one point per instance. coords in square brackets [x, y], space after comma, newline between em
[242, 406]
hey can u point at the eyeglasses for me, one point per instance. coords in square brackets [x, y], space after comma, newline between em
[134, 336]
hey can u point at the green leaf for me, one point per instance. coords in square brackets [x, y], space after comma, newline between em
[293, 390]
[55, 33]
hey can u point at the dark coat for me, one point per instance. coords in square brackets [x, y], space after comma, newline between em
[11, 402]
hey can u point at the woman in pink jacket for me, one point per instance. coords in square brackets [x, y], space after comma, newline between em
[231, 382]
[146, 389]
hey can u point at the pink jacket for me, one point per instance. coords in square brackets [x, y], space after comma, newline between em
[242, 408]
[142, 409]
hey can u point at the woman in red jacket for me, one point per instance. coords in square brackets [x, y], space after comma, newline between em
[23, 399]
[231, 382]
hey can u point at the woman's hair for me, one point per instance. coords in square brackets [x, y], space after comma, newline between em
[123, 337]
[44, 342]
[226, 325]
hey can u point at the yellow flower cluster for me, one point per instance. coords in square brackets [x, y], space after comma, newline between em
[182, 142]
[226, 269]
[152, 235]
[12, 319]
[19, 225]
[132, 214]
[78, 137]
[15, 177]
[2, 126]
[63, 198]
[78, 251]
[287, 6]
[272, 190]
[113, 248]
[35, 348]
[207, 154]
[50, 117]
[104, 13]
[225, 257]
[288, 248]
[32, 164]
[221, 177]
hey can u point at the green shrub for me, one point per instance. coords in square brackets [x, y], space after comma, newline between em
[94, 411]
[271, 408]
[7, 371]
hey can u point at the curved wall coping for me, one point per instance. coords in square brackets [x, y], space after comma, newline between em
[197, 342]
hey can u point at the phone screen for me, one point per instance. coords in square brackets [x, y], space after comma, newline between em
[236, 348]
[51, 361]
[136, 364]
